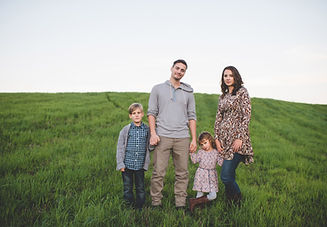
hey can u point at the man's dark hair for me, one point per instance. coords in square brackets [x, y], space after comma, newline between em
[180, 61]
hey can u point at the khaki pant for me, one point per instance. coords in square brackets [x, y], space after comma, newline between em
[179, 148]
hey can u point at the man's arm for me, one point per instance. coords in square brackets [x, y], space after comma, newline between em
[193, 146]
[154, 138]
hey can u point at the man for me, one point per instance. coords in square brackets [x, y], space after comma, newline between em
[171, 114]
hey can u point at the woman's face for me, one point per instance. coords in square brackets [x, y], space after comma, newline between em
[228, 78]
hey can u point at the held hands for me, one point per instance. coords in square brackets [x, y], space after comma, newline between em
[193, 146]
[218, 145]
[237, 144]
[122, 170]
[154, 139]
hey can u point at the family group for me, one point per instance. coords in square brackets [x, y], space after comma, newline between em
[172, 132]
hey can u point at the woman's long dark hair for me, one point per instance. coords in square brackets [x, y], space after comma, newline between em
[237, 81]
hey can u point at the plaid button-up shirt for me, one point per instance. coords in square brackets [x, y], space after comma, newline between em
[136, 146]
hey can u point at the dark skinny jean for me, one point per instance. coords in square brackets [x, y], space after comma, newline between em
[228, 175]
[129, 176]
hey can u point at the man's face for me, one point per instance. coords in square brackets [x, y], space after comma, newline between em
[178, 71]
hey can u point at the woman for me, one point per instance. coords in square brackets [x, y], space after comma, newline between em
[232, 130]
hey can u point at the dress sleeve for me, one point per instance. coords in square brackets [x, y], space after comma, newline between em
[220, 160]
[195, 157]
[219, 118]
[245, 106]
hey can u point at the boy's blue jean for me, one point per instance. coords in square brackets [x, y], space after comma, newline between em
[128, 180]
[228, 174]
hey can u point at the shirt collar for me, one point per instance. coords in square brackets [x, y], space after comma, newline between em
[134, 126]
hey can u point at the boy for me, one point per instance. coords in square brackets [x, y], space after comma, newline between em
[133, 156]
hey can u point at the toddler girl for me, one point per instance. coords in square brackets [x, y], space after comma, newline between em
[205, 179]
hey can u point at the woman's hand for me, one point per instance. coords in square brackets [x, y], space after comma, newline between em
[237, 144]
[122, 170]
[219, 148]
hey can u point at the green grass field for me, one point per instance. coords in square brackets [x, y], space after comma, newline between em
[58, 164]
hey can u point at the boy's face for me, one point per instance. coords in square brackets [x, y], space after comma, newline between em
[136, 116]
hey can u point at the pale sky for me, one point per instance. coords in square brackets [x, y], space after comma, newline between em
[279, 46]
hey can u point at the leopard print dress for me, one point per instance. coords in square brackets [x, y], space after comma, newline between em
[232, 122]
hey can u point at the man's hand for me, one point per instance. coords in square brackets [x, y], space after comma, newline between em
[122, 170]
[193, 146]
[154, 139]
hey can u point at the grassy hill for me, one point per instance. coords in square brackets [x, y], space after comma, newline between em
[58, 164]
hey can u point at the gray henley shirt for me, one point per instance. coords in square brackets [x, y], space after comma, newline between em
[172, 108]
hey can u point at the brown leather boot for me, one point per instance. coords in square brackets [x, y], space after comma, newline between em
[195, 201]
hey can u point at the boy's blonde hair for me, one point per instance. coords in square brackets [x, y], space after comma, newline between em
[135, 106]
[207, 136]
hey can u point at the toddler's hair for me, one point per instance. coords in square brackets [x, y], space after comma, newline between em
[135, 106]
[207, 136]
